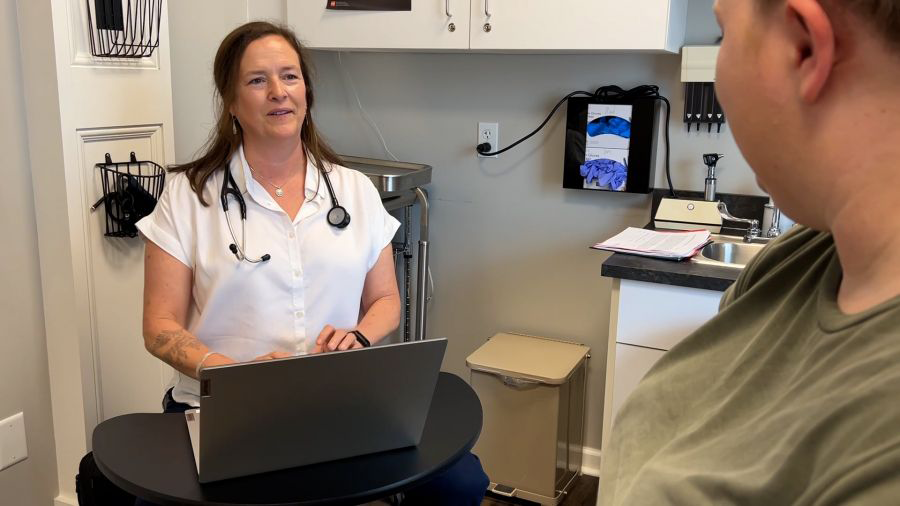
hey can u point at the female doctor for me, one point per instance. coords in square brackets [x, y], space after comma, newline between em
[265, 246]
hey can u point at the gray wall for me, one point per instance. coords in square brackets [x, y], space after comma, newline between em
[24, 380]
[509, 245]
[702, 28]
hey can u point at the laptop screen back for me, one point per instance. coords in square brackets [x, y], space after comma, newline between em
[263, 416]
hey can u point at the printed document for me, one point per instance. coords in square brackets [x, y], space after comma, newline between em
[670, 244]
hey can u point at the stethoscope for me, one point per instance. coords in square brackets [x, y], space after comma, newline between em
[338, 217]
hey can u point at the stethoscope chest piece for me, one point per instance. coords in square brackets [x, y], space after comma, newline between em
[338, 217]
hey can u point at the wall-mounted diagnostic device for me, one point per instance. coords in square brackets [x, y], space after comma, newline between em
[698, 73]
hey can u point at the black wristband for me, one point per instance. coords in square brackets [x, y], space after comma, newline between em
[361, 339]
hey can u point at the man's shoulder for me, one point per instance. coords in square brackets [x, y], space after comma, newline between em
[791, 254]
[798, 243]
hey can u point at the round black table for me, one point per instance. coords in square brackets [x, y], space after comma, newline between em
[150, 456]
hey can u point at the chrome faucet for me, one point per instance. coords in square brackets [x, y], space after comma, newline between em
[775, 227]
[709, 194]
[752, 225]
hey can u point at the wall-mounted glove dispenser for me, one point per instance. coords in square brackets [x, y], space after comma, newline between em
[130, 192]
[609, 139]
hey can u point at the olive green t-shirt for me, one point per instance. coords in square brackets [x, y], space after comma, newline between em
[781, 399]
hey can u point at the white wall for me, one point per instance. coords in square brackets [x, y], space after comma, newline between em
[24, 380]
[509, 245]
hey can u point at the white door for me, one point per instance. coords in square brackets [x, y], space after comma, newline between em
[549, 25]
[431, 24]
[79, 108]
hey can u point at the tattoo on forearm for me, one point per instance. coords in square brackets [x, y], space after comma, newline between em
[172, 346]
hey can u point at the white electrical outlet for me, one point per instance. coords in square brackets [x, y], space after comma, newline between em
[489, 133]
[12, 441]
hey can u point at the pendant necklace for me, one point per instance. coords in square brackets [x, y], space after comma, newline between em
[279, 192]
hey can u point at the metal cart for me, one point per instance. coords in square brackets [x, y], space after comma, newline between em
[400, 186]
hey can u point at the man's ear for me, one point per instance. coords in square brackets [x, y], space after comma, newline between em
[813, 38]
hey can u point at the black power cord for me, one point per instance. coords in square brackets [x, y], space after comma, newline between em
[484, 146]
[645, 91]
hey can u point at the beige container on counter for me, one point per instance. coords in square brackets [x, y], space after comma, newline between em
[532, 391]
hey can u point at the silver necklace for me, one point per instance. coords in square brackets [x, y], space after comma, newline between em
[279, 192]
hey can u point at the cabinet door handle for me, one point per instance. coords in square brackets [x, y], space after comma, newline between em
[487, 8]
[451, 26]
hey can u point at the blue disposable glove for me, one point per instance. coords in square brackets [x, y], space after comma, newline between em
[612, 125]
[608, 173]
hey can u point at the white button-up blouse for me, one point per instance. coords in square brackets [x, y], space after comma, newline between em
[315, 275]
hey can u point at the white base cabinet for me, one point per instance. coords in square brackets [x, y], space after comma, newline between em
[497, 26]
[646, 320]
[632, 364]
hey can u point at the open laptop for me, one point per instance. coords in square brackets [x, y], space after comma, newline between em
[264, 416]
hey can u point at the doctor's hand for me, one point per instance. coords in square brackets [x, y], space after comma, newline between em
[332, 339]
[271, 356]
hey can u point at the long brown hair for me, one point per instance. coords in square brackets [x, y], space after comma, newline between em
[226, 137]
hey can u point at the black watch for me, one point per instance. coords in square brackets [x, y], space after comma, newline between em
[361, 339]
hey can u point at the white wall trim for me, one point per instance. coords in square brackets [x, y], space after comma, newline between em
[590, 461]
[88, 192]
[65, 500]
[71, 102]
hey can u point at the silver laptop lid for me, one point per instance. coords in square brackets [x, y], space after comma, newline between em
[315, 408]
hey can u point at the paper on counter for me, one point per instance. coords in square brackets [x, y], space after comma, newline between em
[671, 245]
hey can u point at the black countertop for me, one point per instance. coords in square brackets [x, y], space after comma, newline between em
[684, 273]
[668, 272]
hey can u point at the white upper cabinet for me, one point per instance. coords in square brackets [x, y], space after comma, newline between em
[578, 25]
[432, 24]
[497, 25]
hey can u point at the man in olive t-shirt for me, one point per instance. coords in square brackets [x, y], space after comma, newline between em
[791, 395]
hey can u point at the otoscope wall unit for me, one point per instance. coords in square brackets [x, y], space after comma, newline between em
[698, 72]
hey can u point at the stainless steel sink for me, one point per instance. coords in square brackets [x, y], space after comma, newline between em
[728, 251]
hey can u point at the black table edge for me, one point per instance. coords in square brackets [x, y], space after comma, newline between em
[374, 494]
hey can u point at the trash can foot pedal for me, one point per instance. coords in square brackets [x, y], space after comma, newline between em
[504, 490]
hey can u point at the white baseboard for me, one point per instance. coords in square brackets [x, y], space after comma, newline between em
[590, 461]
[64, 500]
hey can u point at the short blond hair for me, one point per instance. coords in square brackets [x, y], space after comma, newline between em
[882, 15]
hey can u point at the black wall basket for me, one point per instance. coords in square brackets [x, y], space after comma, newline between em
[124, 28]
[130, 192]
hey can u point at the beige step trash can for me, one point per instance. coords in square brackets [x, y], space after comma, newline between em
[532, 391]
